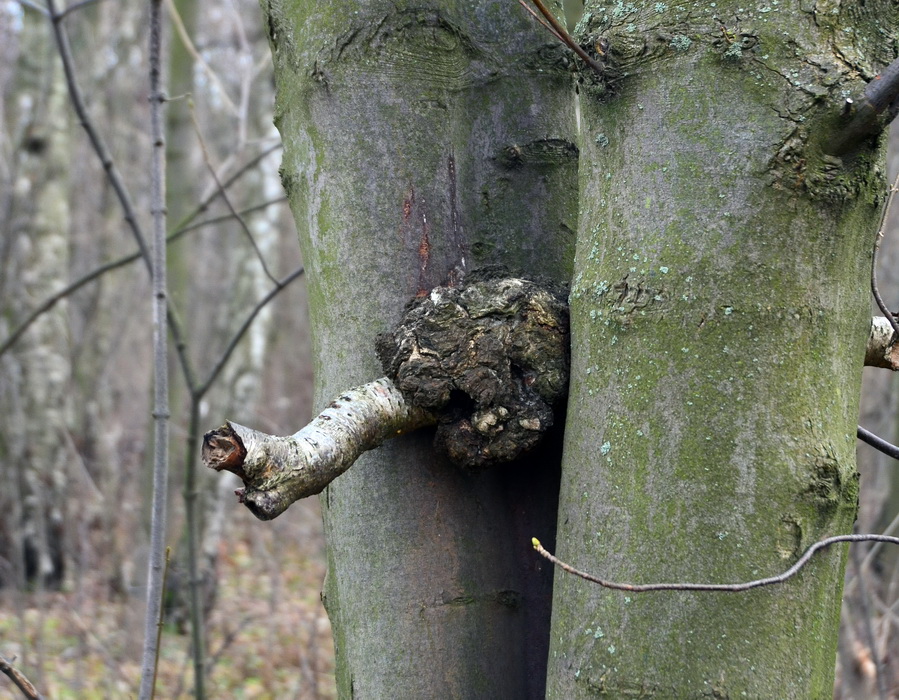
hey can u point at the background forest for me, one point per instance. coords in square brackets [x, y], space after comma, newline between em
[76, 371]
[75, 387]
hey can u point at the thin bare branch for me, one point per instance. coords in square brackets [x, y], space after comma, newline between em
[19, 680]
[714, 587]
[98, 272]
[184, 36]
[561, 34]
[99, 145]
[877, 443]
[157, 560]
[224, 195]
[881, 229]
[117, 182]
[215, 192]
[75, 7]
[53, 299]
[112, 173]
[871, 113]
[235, 339]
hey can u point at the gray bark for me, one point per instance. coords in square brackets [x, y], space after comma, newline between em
[719, 310]
[422, 141]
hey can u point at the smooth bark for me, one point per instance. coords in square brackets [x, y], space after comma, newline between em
[719, 309]
[422, 141]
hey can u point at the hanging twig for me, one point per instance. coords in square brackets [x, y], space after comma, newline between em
[714, 587]
[881, 229]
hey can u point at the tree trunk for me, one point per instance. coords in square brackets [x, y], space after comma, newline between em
[422, 141]
[34, 394]
[719, 307]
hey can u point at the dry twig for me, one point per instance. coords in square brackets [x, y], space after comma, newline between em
[714, 587]
[19, 679]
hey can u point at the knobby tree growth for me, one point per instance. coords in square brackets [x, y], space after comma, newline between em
[730, 183]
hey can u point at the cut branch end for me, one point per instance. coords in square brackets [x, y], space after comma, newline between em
[223, 450]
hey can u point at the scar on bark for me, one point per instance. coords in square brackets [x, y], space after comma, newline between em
[486, 362]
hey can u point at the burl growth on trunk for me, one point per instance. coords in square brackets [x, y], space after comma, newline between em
[486, 362]
[489, 359]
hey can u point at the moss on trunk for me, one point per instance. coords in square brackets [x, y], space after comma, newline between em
[719, 312]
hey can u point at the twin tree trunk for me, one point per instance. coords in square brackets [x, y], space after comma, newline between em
[719, 313]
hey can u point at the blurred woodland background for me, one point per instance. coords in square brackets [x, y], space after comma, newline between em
[76, 371]
[75, 387]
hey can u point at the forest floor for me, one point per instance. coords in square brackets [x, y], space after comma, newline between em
[267, 637]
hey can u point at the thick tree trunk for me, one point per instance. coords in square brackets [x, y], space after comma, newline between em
[422, 141]
[719, 307]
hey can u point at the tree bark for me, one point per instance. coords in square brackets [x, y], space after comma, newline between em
[34, 450]
[719, 309]
[422, 141]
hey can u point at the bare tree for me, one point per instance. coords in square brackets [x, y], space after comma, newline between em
[719, 312]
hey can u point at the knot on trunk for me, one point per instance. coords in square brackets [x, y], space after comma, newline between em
[491, 358]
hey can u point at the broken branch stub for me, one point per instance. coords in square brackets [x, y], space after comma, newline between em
[486, 362]
[882, 349]
[276, 471]
[490, 359]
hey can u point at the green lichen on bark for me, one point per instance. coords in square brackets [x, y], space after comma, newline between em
[718, 310]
